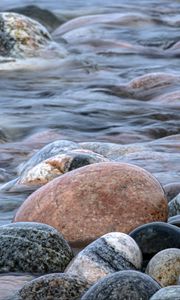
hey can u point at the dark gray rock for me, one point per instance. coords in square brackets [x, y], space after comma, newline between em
[53, 287]
[32, 247]
[154, 237]
[131, 285]
[171, 190]
[167, 293]
[174, 206]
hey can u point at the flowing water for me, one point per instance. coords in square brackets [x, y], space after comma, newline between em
[119, 83]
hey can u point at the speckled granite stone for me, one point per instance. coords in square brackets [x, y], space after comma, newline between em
[154, 237]
[175, 220]
[110, 253]
[165, 266]
[167, 293]
[131, 285]
[174, 206]
[53, 287]
[90, 201]
[32, 247]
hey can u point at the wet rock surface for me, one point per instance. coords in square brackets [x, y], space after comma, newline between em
[32, 247]
[86, 203]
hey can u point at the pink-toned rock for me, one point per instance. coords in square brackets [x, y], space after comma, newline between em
[93, 200]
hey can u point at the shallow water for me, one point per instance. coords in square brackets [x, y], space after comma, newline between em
[94, 93]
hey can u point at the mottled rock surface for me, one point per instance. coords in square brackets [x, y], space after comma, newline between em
[53, 287]
[93, 200]
[110, 253]
[32, 247]
[174, 206]
[165, 266]
[167, 293]
[131, 285]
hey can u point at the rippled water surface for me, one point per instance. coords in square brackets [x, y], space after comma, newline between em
[119, 83]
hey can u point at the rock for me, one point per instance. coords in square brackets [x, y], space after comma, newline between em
[57, 165]
[171, 190]
[110, 253]
[21, 36]
[53, 287]
[154, 237]
[33, 248]
[167, 293]
[174, 206]
[165, 266]
[52, 149]
[131, 285]
[93, 200]
[175, 220]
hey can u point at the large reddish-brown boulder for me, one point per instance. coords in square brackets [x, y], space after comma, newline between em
[93, 200]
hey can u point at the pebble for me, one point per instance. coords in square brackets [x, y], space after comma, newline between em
[93, 200]
[156, 236]
[171, 190]
[58, 165]
[164, 267]
[175, 220]
[131, 285]
[110, 253]
[34, 248]
[167, 293]
[53, 287]
[174, 206]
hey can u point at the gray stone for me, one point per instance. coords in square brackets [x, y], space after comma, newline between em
[174, 206]
[165, 267]
[32, 247]
[167, 293]
[110, 253]
[131, 285]
[175, 220]
[171, 190]
[53, 287]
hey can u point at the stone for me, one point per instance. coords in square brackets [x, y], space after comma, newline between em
[154, 237]
[131, 285]
[174, 206]
[164, 267]
[110, 253]
[60, 164]
[93, 200]
[167, 293]
[34, 248]
[171, 190]
[21, 36]
[175, 220]
[53, 287]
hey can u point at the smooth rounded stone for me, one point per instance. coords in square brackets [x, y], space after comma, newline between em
[33, 247]
[175, 220]
[174, 206]
[11, 283]
[58, 165]
[165, 266]
[171, 190]
[167, 293]
[156, 236]
[21, 36]
[53, 287]
[51, 149]
[110, 253]
[131, 285]
[93, 200]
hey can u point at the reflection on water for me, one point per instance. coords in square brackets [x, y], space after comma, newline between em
[119, 83]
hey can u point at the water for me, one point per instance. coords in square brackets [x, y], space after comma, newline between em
[94, 94]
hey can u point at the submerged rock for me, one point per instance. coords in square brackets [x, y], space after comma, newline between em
[32, 247]
[110, 253]
[93, 200]
[164, 267]
[132, 285]
[53, 287]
